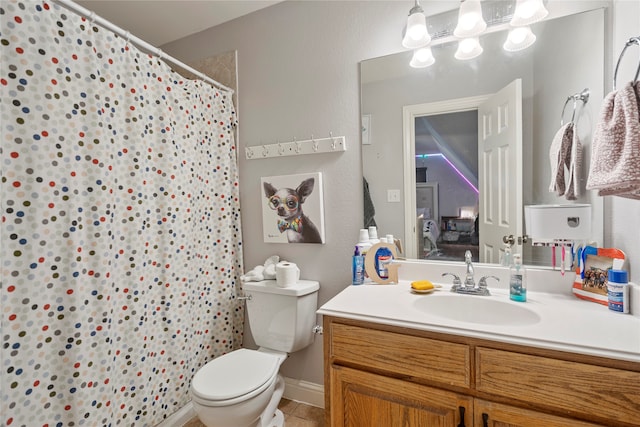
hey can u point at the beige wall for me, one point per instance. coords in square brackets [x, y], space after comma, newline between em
[299, 76]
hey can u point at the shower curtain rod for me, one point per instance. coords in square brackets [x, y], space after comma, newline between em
[69, 4]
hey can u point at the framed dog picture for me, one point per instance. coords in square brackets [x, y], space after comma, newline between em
[293, 208]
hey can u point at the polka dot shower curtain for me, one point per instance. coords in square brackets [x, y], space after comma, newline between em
[120, 229]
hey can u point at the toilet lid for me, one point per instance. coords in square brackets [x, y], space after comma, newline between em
[234, 374]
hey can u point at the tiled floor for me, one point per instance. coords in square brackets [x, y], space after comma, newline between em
[295, 415]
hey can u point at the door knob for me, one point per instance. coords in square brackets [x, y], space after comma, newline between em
[509, 240]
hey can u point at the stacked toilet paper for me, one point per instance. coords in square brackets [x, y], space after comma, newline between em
[287, 274]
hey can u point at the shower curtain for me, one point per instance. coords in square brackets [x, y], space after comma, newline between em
[120, 243]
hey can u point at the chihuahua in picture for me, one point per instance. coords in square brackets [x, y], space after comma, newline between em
[287, 203]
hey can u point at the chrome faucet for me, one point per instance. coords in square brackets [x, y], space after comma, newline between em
[469, 282]
[469, 285]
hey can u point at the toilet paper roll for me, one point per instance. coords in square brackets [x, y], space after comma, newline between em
[287, 274]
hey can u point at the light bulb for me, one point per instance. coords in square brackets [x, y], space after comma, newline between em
[468, 48]
[422, 58]
[519, 38]
[527, 12]
[470, 20]
[416, 35]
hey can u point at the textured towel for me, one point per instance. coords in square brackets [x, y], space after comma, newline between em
[558, 152]
[615, 161]
[369, 209]
[572, 159]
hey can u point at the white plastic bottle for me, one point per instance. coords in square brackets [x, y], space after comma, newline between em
[363, 242]
[373, 235]
[618, 291]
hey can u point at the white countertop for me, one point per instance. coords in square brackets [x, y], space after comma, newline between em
[565, 323]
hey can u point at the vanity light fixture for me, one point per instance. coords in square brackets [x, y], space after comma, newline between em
[500, 15]
[416, 34]
[528, 12]
[422, 58]
[519, 38]
[470, 20]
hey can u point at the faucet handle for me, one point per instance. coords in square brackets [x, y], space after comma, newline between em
[456, 279]
[483, 281]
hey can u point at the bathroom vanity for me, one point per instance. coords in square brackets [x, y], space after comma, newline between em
[396, 358]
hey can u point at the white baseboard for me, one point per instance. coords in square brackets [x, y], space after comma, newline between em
[298, 390]
[304, 391]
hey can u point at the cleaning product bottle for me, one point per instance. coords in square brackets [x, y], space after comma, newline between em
[384, 256]
[357, 268]
[517, 280]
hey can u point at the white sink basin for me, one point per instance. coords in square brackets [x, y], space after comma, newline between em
[477, 309]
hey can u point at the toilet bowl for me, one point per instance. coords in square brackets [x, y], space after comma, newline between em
[243, 388]
[239, 389]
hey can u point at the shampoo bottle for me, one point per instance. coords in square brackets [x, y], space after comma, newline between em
[357, 268]
[517, 280]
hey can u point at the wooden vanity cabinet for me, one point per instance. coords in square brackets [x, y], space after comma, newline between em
[384, 376]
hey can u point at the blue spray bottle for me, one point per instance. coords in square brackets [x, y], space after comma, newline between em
[357, 268]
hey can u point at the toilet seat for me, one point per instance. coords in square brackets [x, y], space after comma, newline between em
[234, 377]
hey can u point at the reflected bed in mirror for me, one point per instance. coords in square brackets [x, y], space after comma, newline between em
[416, 136]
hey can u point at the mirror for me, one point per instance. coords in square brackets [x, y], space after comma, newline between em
[567, 57]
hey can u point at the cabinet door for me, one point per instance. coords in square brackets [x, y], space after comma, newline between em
[363, 399]
[489, 414]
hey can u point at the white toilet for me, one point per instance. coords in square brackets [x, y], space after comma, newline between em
[243, 388]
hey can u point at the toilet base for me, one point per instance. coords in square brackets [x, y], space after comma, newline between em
[278, 419]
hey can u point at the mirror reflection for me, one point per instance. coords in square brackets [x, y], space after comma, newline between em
[422, 137]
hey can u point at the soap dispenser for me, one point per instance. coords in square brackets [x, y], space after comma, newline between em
[517, 280]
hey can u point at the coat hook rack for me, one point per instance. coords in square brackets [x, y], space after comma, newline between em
[333, 144]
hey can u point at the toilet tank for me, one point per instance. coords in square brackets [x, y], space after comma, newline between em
[282, 318]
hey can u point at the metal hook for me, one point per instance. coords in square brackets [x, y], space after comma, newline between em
[280, 148]
[333, 141]
[314, 143]
[265, 151]
[631, 41]
[249, 152]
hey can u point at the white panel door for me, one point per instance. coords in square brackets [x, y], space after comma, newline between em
[500, 170]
